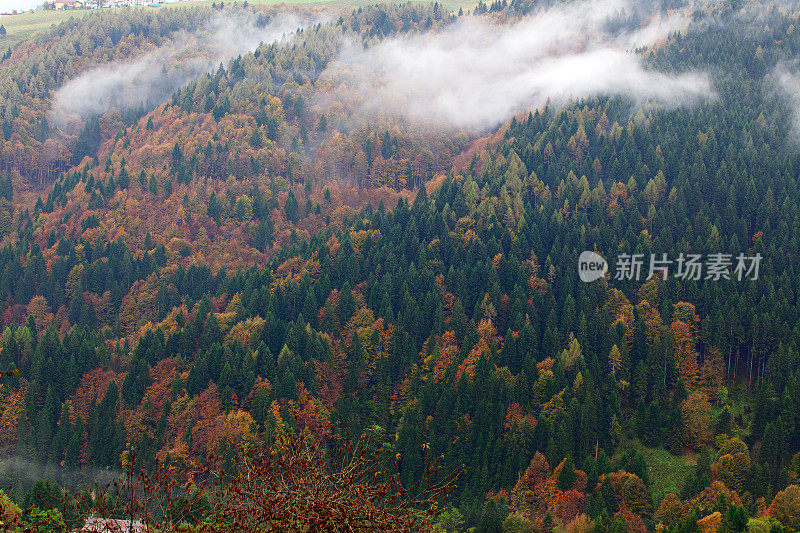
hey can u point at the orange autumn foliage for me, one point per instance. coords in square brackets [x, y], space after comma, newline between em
[785, 507]
[515, 415]
[711, 523]
[487, 336]
[685, 352]
[709, 496]
[448, 350]
[90, 391]
[568, 505]
[630, 490]
[11, 409]
[671, 510]
[633, 521]
[696, 419]
[310, 413]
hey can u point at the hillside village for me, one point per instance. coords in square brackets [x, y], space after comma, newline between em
[61, 5]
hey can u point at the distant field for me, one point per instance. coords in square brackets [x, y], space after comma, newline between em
[25, 25]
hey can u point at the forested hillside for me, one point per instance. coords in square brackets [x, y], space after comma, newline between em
[256, 256]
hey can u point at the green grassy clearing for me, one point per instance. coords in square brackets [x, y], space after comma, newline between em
[23, 26]
[667, 472]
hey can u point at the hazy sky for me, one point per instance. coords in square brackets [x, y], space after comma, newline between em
[7, 6]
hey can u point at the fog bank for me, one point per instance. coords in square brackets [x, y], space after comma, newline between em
[476, 72]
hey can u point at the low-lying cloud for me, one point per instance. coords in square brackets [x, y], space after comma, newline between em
[476, 72]
[22, 474]
[472, 74]
[787, 80]
[152, 77]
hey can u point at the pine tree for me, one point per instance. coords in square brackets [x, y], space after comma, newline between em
[6, 187]
[291, 208]
[213, 209]
[615, 360]
[491, 518]
[106, 437]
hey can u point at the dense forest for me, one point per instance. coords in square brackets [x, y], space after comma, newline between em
[249, 259]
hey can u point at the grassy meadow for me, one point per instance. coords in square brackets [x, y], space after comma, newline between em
[23, 26]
